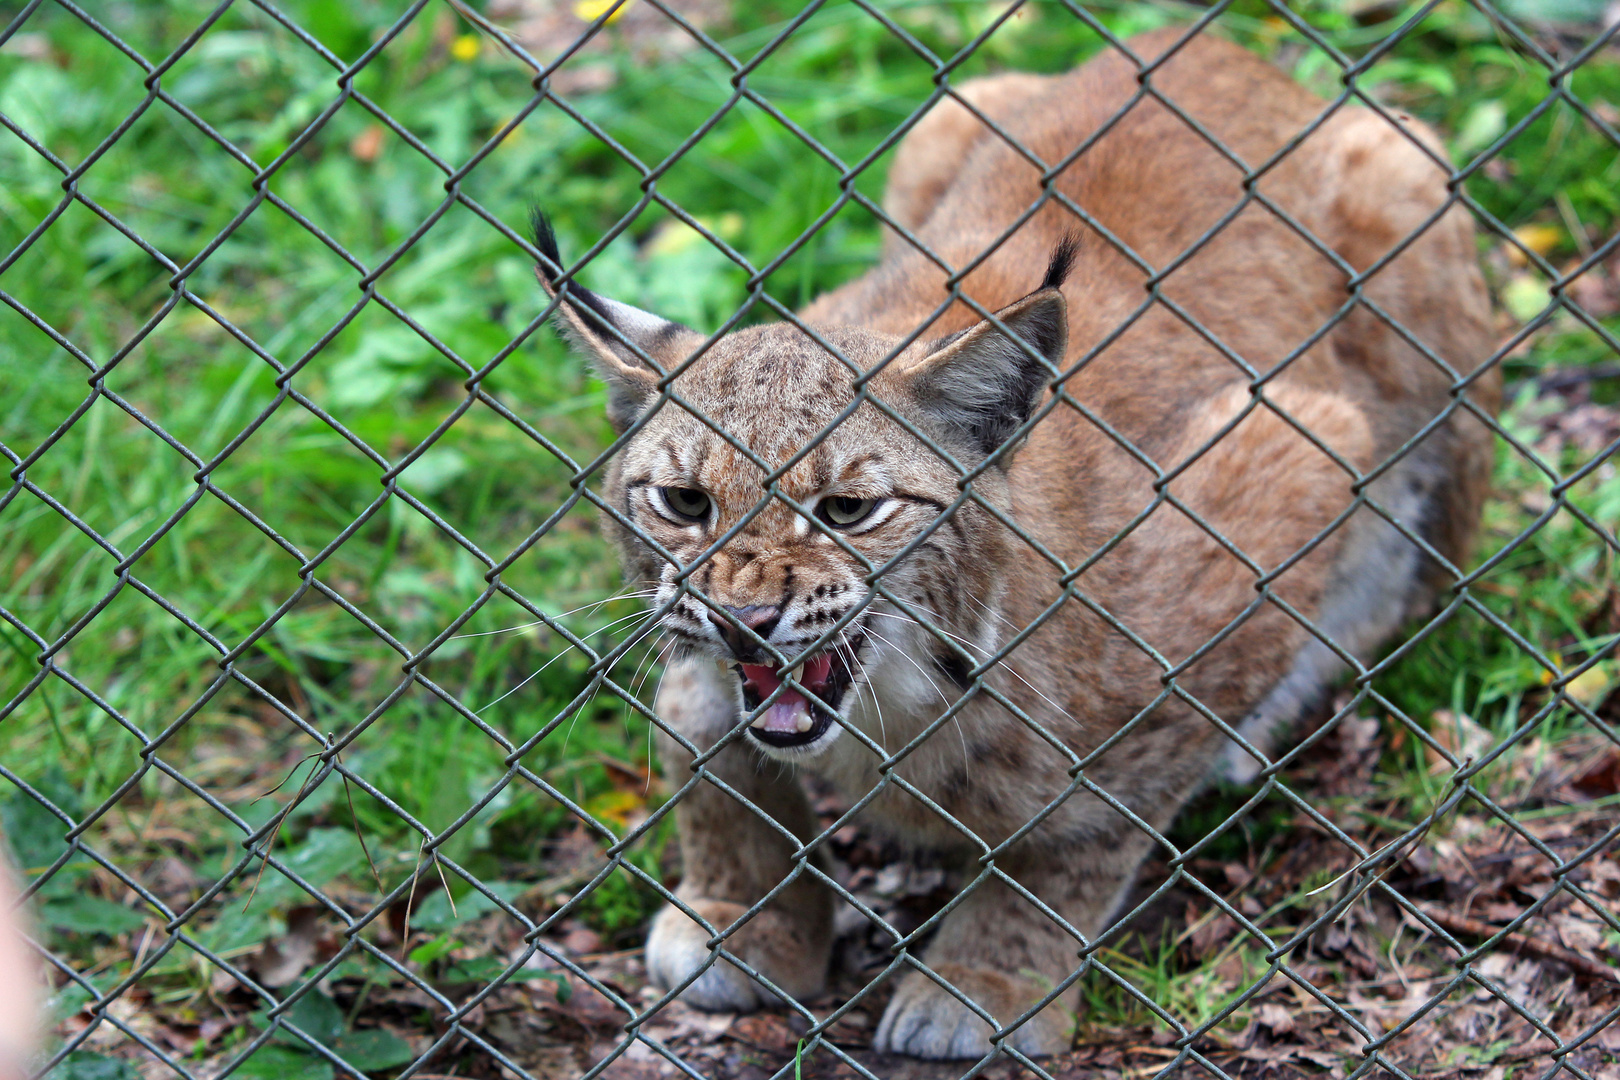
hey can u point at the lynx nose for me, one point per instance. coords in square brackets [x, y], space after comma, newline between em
[760, 618]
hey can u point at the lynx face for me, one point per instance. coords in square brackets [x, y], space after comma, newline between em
[762, 542]
[789, 608]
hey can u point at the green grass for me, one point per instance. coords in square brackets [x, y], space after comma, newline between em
[844, 79]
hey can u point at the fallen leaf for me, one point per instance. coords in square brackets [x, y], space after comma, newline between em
[582, 940]
[591, 10]
[1597, 292]
[587, 1007]
[1591, 686]
[1605, 878]
[1275, 1018]
[1525, 296]
[764, 1031]
[280, 962]
[1457, 734]
[676, 1021]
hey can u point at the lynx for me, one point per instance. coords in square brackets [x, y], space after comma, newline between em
[1013, 584]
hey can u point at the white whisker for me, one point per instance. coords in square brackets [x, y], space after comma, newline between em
[643, 668]
[988, 610]
[540, 622]
[957, 719]
[584, 705]
[654, 654]
[913, 663]
[543, 667]
[621, 619]
[642, 631]
[1002, 664]
[866, 678]
[657, 653]
[525, 682]
[502, 630]
[639, 633]
[673, 641]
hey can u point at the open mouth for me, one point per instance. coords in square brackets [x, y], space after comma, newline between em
[793, 719]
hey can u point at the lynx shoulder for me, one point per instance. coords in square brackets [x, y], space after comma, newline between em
[1221, 435]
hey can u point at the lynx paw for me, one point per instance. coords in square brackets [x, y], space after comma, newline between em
[924, 1020]
[770, 943]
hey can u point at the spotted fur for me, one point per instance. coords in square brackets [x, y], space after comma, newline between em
[1157, 491]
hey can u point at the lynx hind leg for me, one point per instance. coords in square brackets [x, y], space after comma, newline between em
[1385, 189]
[931, 154]
[730, 859]
[1379, 581]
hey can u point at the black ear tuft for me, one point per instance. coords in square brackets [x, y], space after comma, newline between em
[546, 240]
[630, 348]
[1062, 261]
[551, 266]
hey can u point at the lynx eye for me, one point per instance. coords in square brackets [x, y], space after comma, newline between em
[841, 511]
[687, 502]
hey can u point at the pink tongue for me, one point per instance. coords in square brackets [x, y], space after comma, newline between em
[783, 714]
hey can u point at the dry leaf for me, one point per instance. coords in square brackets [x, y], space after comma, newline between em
[1275, 1018]
[765, 1031]
[280, 962]
[1459, 735]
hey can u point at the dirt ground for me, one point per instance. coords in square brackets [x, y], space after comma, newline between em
[1379, 964]
[1378, 979]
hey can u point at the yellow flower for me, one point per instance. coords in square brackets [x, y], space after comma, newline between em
[465, 47]
[591, 10]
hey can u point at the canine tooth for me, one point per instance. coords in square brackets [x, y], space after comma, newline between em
[796, 672]
[760, 723]
[804, 723]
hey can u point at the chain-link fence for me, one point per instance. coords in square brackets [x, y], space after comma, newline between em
[310, 627]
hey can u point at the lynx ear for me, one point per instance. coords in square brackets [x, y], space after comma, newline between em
[980, 385]
[618, 339]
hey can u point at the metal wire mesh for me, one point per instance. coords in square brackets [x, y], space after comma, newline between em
[457, 1019]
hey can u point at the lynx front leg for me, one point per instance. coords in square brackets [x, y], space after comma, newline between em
[1005, 954]
[730, 858]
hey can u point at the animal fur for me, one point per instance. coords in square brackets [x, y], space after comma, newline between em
[1164, 543]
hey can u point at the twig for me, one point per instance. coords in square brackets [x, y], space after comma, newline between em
[416, 874]
[303, 789]
[140, 952]
[358, 835]
[454, 914]
[1546, 950]
[1572, 222]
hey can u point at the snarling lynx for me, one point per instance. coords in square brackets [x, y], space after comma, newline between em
[1140, 522]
